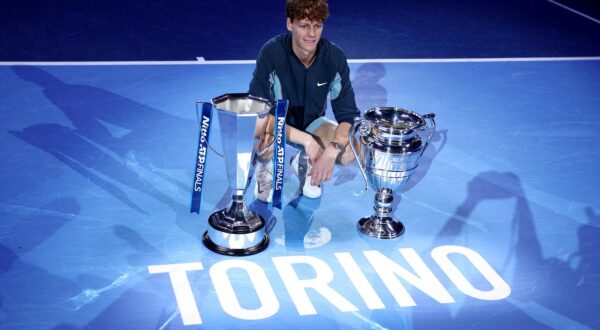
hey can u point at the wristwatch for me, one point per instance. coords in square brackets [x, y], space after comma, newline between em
[337, 146]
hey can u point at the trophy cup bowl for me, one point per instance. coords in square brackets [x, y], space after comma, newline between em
[390, 146]
[237, 231]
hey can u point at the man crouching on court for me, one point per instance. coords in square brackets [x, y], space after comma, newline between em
[304, 68]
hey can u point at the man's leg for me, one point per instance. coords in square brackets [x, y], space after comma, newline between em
[323, 130]
[263, 188]
[264, 133]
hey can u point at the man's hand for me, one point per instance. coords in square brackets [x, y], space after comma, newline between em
[313, 149]
[322, 168]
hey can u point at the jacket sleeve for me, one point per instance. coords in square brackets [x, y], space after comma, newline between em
[343, 103]
[260, 85]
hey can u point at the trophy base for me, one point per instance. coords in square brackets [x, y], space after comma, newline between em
[381, 227]
[234, 252]
[236, 231]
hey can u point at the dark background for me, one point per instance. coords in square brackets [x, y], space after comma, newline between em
[100, 30]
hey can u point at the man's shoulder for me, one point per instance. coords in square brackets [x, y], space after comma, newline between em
[273, 54]
[333, 52]
[276, 44]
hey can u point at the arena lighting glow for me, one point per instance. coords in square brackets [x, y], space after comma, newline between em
[388, 270]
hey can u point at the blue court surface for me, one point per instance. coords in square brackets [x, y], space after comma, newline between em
[502, 215]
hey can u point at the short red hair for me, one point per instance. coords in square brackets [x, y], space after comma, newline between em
[313, 10]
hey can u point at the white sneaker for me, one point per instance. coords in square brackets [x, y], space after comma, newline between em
[263, 189]
[301, 171]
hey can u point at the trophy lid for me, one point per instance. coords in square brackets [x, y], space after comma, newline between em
[395, 127]
[395, 121]
[243, 103]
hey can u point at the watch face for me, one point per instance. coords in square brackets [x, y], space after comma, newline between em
[336, 145]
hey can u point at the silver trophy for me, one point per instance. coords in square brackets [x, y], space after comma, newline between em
[390, 146]
[237, 231]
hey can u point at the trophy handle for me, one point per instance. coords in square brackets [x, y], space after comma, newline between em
[198, 104]
[215, 151]
[357, 123]
[431, 118]
[260, 153]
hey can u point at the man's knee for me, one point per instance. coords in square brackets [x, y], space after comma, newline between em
[346, 158]
[324, 131]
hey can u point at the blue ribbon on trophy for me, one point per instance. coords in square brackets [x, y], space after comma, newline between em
[205, 123]
[279, 151]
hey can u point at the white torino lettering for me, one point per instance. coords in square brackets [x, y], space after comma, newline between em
[297, 287]
[500, 288]
[388, 270]
[183, 291]
[359, 280]
[269, 305]
[423, 279]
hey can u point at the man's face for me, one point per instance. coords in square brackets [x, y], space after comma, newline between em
[305, 34]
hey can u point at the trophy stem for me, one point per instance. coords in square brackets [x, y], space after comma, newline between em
[381, 224]
[236, 231]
